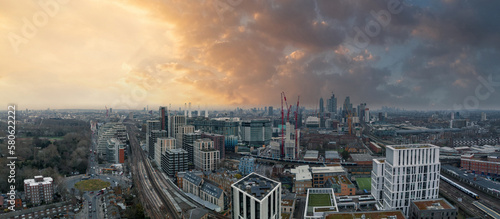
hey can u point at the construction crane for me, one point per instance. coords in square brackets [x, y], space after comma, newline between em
[282, 125]
[296, 129]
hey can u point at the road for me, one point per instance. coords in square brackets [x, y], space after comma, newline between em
[91, 198]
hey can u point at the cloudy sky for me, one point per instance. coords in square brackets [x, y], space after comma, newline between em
[213, 53]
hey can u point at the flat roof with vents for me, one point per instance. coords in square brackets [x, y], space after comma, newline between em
[434, 204]
[256, 185]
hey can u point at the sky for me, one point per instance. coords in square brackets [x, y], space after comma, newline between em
[126, 54]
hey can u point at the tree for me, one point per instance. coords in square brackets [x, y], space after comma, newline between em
[238, 176]
[345, 154]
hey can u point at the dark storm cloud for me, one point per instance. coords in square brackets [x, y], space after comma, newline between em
[252, 50]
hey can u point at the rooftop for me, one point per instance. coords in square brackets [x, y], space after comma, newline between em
[329, 169]
[332, 155]
[367, 214]
[211, 190]
[342, 179]
[38, 180]
[320, 200]
[256, 185]
[434, 204]
[191, 177]
[177, 150]
[311, 154]
[411, 146]
[302, 173]
[288, 200]
[361, 157]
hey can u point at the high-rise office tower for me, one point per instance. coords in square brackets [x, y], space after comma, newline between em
[256, 196]
[256, 132]
[321, 106]
[163, 118]
[270, 111]
[366, 117]
[332, 104]
[411, 172]
[347, 107]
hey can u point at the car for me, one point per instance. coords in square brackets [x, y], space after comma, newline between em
[107, 177]
[92, 192]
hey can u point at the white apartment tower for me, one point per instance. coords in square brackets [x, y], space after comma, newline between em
[378, 181]
[411, 172]
[256, 196]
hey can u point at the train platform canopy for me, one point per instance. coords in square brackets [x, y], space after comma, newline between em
[479, 180]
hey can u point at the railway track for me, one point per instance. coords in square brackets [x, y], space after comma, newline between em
[455, 194]
[484, 198]
[166, 209]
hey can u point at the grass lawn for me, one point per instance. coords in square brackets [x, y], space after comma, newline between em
[364, 183]
[318, 200]
[91, 185]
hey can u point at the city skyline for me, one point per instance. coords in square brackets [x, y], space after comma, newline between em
[129, 54]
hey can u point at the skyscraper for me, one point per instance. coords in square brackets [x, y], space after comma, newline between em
[270, 111]
[163, 118]
[321, 106]
[347, 107]
[410, 172]
[332, 104]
